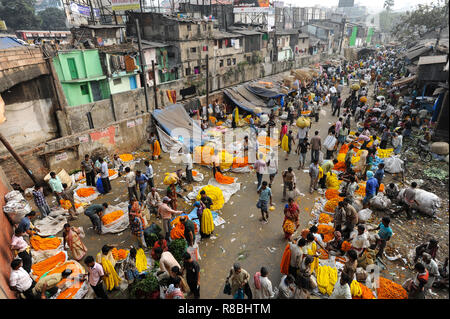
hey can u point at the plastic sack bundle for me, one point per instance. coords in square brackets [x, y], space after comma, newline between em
[16, 210]
[119, 224]
[215, 193]
[428, 202]
[170, 178]
[303, 122]
[380, 201]
[364, 215]
[393, 165]
[50, 226]
[14, 195]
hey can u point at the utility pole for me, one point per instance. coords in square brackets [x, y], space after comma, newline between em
[207, 80]
[17, 158]
[143, 67]
[342, 35]
[154, 84]
[92, 12]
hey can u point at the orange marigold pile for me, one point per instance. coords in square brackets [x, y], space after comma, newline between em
[346, 246]
[126, 157]
[339, 166]
[48, 264]
[331, 193]
[119, 254]
[85, 192]
[362, 189]
[344, 148]
[390, 290]
[109, 218]
[111, 172]
[327, 231]
[325, 218]
[331, 204]
[366, 293]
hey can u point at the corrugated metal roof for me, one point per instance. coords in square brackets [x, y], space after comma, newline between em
[432, 59]
[9, 42]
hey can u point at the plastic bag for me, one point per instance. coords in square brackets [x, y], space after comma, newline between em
[330, 142]
[303, 122]
[14, 195]
[194, 251]
[364, 215]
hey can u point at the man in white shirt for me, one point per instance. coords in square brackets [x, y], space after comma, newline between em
[104, 175]
[302, 133]
[260, 168]
[432, 268]
[149, 174]
[20, 281]
[130, 178]
[342, 288]
[263, 286]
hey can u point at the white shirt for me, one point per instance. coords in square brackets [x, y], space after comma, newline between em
[319, 239]
[105, 172]
[433, 270]
[149, 171]
[360, 241]
[296, 255]
[20, 279]
[397, 141]
[131, 179]
[283, 290]
[341, 292]
[266, 291]
[301, 134]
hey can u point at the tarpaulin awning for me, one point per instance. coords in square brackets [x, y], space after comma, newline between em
[174, 117]
[243, 103]
[404, 81]
[166, 141]
[264, 92]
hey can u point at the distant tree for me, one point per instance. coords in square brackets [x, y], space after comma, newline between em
[425, 18]
[52, 19]
[19, 14]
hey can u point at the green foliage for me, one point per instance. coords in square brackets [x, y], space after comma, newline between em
[178, 247]
[19, 14]
[52, 19]
[145, 286]
[423, 19]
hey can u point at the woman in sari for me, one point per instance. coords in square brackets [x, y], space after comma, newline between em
[156, 150]
[291, 213]
[71, 236]
[136, 210]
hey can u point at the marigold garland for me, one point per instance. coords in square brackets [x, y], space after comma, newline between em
[327, 231]
[289, 226]
[111, 172]
[331, 204]
[366, 293]
[42, 267]
[119, 254]
[39, 243]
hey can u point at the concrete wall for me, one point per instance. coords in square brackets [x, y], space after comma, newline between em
[5, 242]
[30, 114]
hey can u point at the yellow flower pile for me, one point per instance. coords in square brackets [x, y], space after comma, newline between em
[332, 181]
[355, 289]
[326, 279]
[141, 260]
[383, 153]
[112, 280]
[216, 195]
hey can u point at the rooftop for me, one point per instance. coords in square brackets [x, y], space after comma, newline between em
[223, 35]
[102, 26]
[247, 32]
[433, 59]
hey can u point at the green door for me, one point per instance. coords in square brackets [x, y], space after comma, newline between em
[72, 68]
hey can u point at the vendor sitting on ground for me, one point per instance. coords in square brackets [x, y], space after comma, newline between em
[48, 285]
[430, 248]
[334, 246]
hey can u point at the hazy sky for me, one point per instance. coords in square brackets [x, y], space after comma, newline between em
[372, 4]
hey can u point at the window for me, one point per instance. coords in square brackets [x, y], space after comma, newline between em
[196, 70]
[117, 81]
[189, 27]
[72, 68]
[234, 61]
[204, 27]
[204, 67]
[188, 71]
[221, 63]
[84, 89]
[193, 50]
[220, 44]
[303, 40]
[228, 62]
